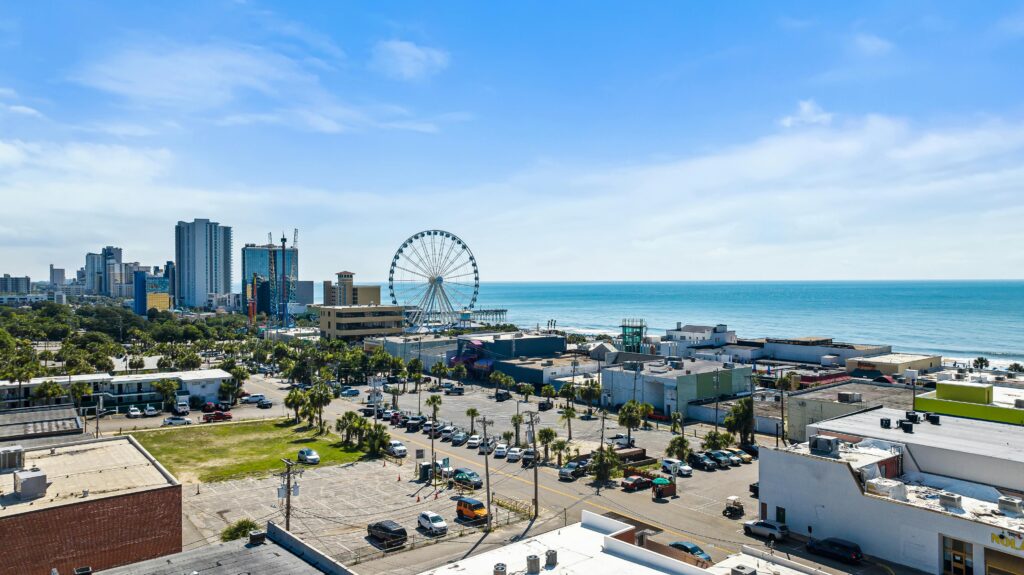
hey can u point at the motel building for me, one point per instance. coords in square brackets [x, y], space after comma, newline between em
[937, 493]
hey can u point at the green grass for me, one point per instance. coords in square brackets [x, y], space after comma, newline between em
[218, 452]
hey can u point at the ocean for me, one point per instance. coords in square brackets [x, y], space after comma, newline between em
[957, 319]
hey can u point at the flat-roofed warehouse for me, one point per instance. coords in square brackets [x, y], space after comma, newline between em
[99, 503]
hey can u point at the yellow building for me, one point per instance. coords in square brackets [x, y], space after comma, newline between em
[895, 364]
[359, 321]
[344, 292]
[160, 301]
[975, 400]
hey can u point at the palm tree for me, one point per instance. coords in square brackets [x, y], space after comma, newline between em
[629, 417]
[348, 424]
[166, 388]
[318, 398]
[646, 410]
[517, 420]
[677, 422]
[48, 391]
[434, 403]
[526, 389]
[980, 363]
[548, 391]
[716, 440]
[678, 447]
[740, 420]
[78, 390]
[439, 371]
[568, 392]
[545, 436]
[604, 463]
[590, 392]
[568, 414]
[507, 436]
[376, 438]
[472, 414]
[239, 375]
[459, 372]
[295, 399]
[558, 447]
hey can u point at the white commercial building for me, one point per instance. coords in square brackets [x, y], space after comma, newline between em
[941, 495]
[670, 385]
[819, 350]
[202, 259]
[600, 545]
[119, 390]
[680, 342]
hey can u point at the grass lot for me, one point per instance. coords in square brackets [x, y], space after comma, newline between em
[218, 452]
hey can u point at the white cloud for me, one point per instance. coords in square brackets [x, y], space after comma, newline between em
[23, 111]
[808, 113]
[405, 60]
[871, 45]
[8, 93]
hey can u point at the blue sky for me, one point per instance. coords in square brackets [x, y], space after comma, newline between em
[562, 141]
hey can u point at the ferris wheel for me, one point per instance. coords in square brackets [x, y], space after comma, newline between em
[435, 275]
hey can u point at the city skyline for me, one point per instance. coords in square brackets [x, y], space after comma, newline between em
[564, 143]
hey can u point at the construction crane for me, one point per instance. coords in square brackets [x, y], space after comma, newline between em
[295, 240]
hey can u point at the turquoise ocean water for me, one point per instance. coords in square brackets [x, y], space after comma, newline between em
[959, 319]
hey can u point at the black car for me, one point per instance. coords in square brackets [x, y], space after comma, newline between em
[390, 534]
[414, 424]
[752, 449]
[571, 470]
[719, 458]
[265, 404]
[223, 406]
[841, 549]
[368, 411]
[700, 461]
[755, 489]
[502, 395]
[545, 405]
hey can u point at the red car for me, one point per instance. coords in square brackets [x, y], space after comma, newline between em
[634, 482]
[217, 416]
[209, 407]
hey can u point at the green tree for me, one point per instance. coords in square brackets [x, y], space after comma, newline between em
[238, 530]
[591, 393]
[136, 363]
[347, 425]
[980, 363]
[629, 417]
[677, 422]
[415, 368]
[526, 389]
[559, 447]
[567, 392]
[472, 413]
[678, 447]
[375, 438]
[434, 403]
[190, 361]
[548, 392]
[295, 399]
[517, 422]
[78, 390]
[47, 391]
[507, 436]
[459, 372]
[318, 398]
[740, 420]
[497, 379]
[568, 414]
[714, 440]
[439, 371]
[239, 375]
[167, 388]
[605, 463]
[545, 436]
[1016, 367]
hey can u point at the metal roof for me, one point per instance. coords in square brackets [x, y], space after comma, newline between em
[223, 559]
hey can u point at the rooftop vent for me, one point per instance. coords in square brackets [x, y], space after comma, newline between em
[913, 416]
[849, 397]
[933, 418]
[950, 500]
[551, 557]
[886, 423]
[1011, 505]
[257, 537]
[500, 569]
[532, 564]
[907, 426]
[82, 571]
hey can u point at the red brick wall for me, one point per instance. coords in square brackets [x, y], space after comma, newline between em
[99, 533]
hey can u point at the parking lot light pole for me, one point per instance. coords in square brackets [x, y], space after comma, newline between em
[288, 494]
[534, 419]
[484, 422]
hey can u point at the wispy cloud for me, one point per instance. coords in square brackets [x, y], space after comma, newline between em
[1012, 24]
[871, 45]
[808, 113]
[405, 60]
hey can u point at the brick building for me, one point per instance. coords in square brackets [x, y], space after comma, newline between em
[99, 504]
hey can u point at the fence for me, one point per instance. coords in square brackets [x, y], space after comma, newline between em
[521, 508]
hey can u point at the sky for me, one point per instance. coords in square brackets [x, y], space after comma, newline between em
[563, 141]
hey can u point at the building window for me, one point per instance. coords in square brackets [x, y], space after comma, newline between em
[957, 557]
[780, 514]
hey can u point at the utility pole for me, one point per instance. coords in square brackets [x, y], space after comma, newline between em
[288, 494]
[484, 422]
[533, 421]
[99, 413]
[716, 402]
[604, 414]
[636, 370]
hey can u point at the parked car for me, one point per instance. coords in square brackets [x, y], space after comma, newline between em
[486, 447]
[545, 405]
[390, 534]
[771, 530]
[753, 450]
[728, 456]
[177, 420]
[692, 549]
[308, 456]
[368, 411]
[349, 392]
[397, 448]
[841, 549]
[460, 438]
[150, 411]
[134, 412]
[743, 455]
[428, 426]
[223, 406]
[455, 390]
[514, 454]
[720, 459]
[700, 461]
[571, 470]
[502, 395]
[216, 416]
[386, 414]
[469, 509]
[181, 408]
[254, 398]
[529, 457]
[434, 431]
[432, 523]
[447, 432]
[755, 489]
[467, 478]
[265, 404]
[473, 441]
[682, 469]
[500, 450]
[634, 482]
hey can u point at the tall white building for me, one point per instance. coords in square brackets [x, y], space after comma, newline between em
[202, 256]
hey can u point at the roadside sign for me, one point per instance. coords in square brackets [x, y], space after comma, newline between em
[445, 462]
[420, 454]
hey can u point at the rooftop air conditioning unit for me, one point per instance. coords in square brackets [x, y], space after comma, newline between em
[12, 457]
[532, 564]
[907, 426]
[257, 537]
[913, 416]
[886, 423]
[824, 445]
[950, 500]
[1019, 403]
[933, 418]
[742, 570]
[1011, 505]
[551, 558]
[29, 483]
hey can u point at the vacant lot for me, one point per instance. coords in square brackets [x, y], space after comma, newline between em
[217, 452]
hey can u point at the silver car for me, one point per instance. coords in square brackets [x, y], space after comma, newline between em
[771, 530]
